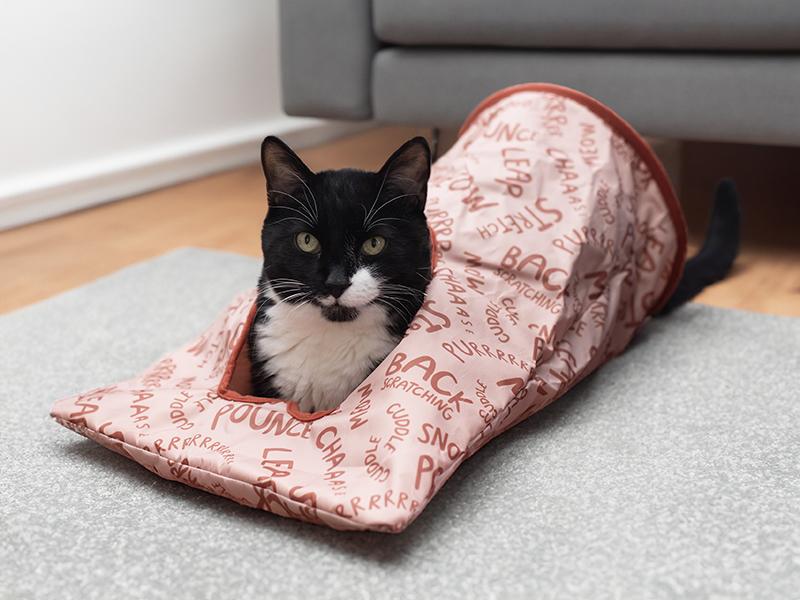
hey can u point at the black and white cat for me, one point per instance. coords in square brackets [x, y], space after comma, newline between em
[347, 260]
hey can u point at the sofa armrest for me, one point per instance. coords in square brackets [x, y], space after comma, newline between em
[326, 58]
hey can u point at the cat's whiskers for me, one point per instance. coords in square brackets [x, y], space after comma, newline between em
[372, 215]
[287, 194]
[305, 213]
[400, 287]
[290, 219]
[275, 286]
[403, 299]
[427, 270]
[289, 299]
[266, 300]
[305, 185]
[279, 280]
[302, 217]
[271, 288]
[306, 207]
[300, 305]
[398, 310]
[396, 303]
[378, 195]
[381, 220]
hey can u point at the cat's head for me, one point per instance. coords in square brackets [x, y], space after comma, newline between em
[344, 240]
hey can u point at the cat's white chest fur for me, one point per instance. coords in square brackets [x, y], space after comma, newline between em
[318, 362]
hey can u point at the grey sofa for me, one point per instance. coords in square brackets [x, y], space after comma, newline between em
[717, 70]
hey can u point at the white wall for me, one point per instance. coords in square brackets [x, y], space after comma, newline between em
[101, 99]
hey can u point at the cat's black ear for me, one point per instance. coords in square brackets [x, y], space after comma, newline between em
[406, 172]
[283, 169]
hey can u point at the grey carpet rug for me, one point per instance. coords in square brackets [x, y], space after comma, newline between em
[671, 473]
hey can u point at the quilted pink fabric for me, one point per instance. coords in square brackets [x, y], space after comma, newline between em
[558, 234]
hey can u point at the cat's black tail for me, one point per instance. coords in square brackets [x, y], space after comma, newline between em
[715, 259]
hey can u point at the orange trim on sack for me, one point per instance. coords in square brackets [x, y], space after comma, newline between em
[236, 353]
[237, 348]
[434, 250]
[623, 128]
[224, 390]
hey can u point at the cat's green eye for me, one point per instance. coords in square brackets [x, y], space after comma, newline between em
[373, 245]
[307, 242]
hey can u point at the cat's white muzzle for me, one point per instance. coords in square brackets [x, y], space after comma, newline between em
[364, 288]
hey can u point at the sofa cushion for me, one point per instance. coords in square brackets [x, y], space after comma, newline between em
[682, 24]
[691, 96]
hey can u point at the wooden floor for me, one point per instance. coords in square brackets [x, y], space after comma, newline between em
[225, 212]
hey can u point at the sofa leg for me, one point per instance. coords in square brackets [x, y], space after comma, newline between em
[435, 134]
[669, 151]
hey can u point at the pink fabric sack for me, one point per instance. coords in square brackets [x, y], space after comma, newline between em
[558, 234]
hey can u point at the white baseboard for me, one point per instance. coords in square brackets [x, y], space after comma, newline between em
[52, 193]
